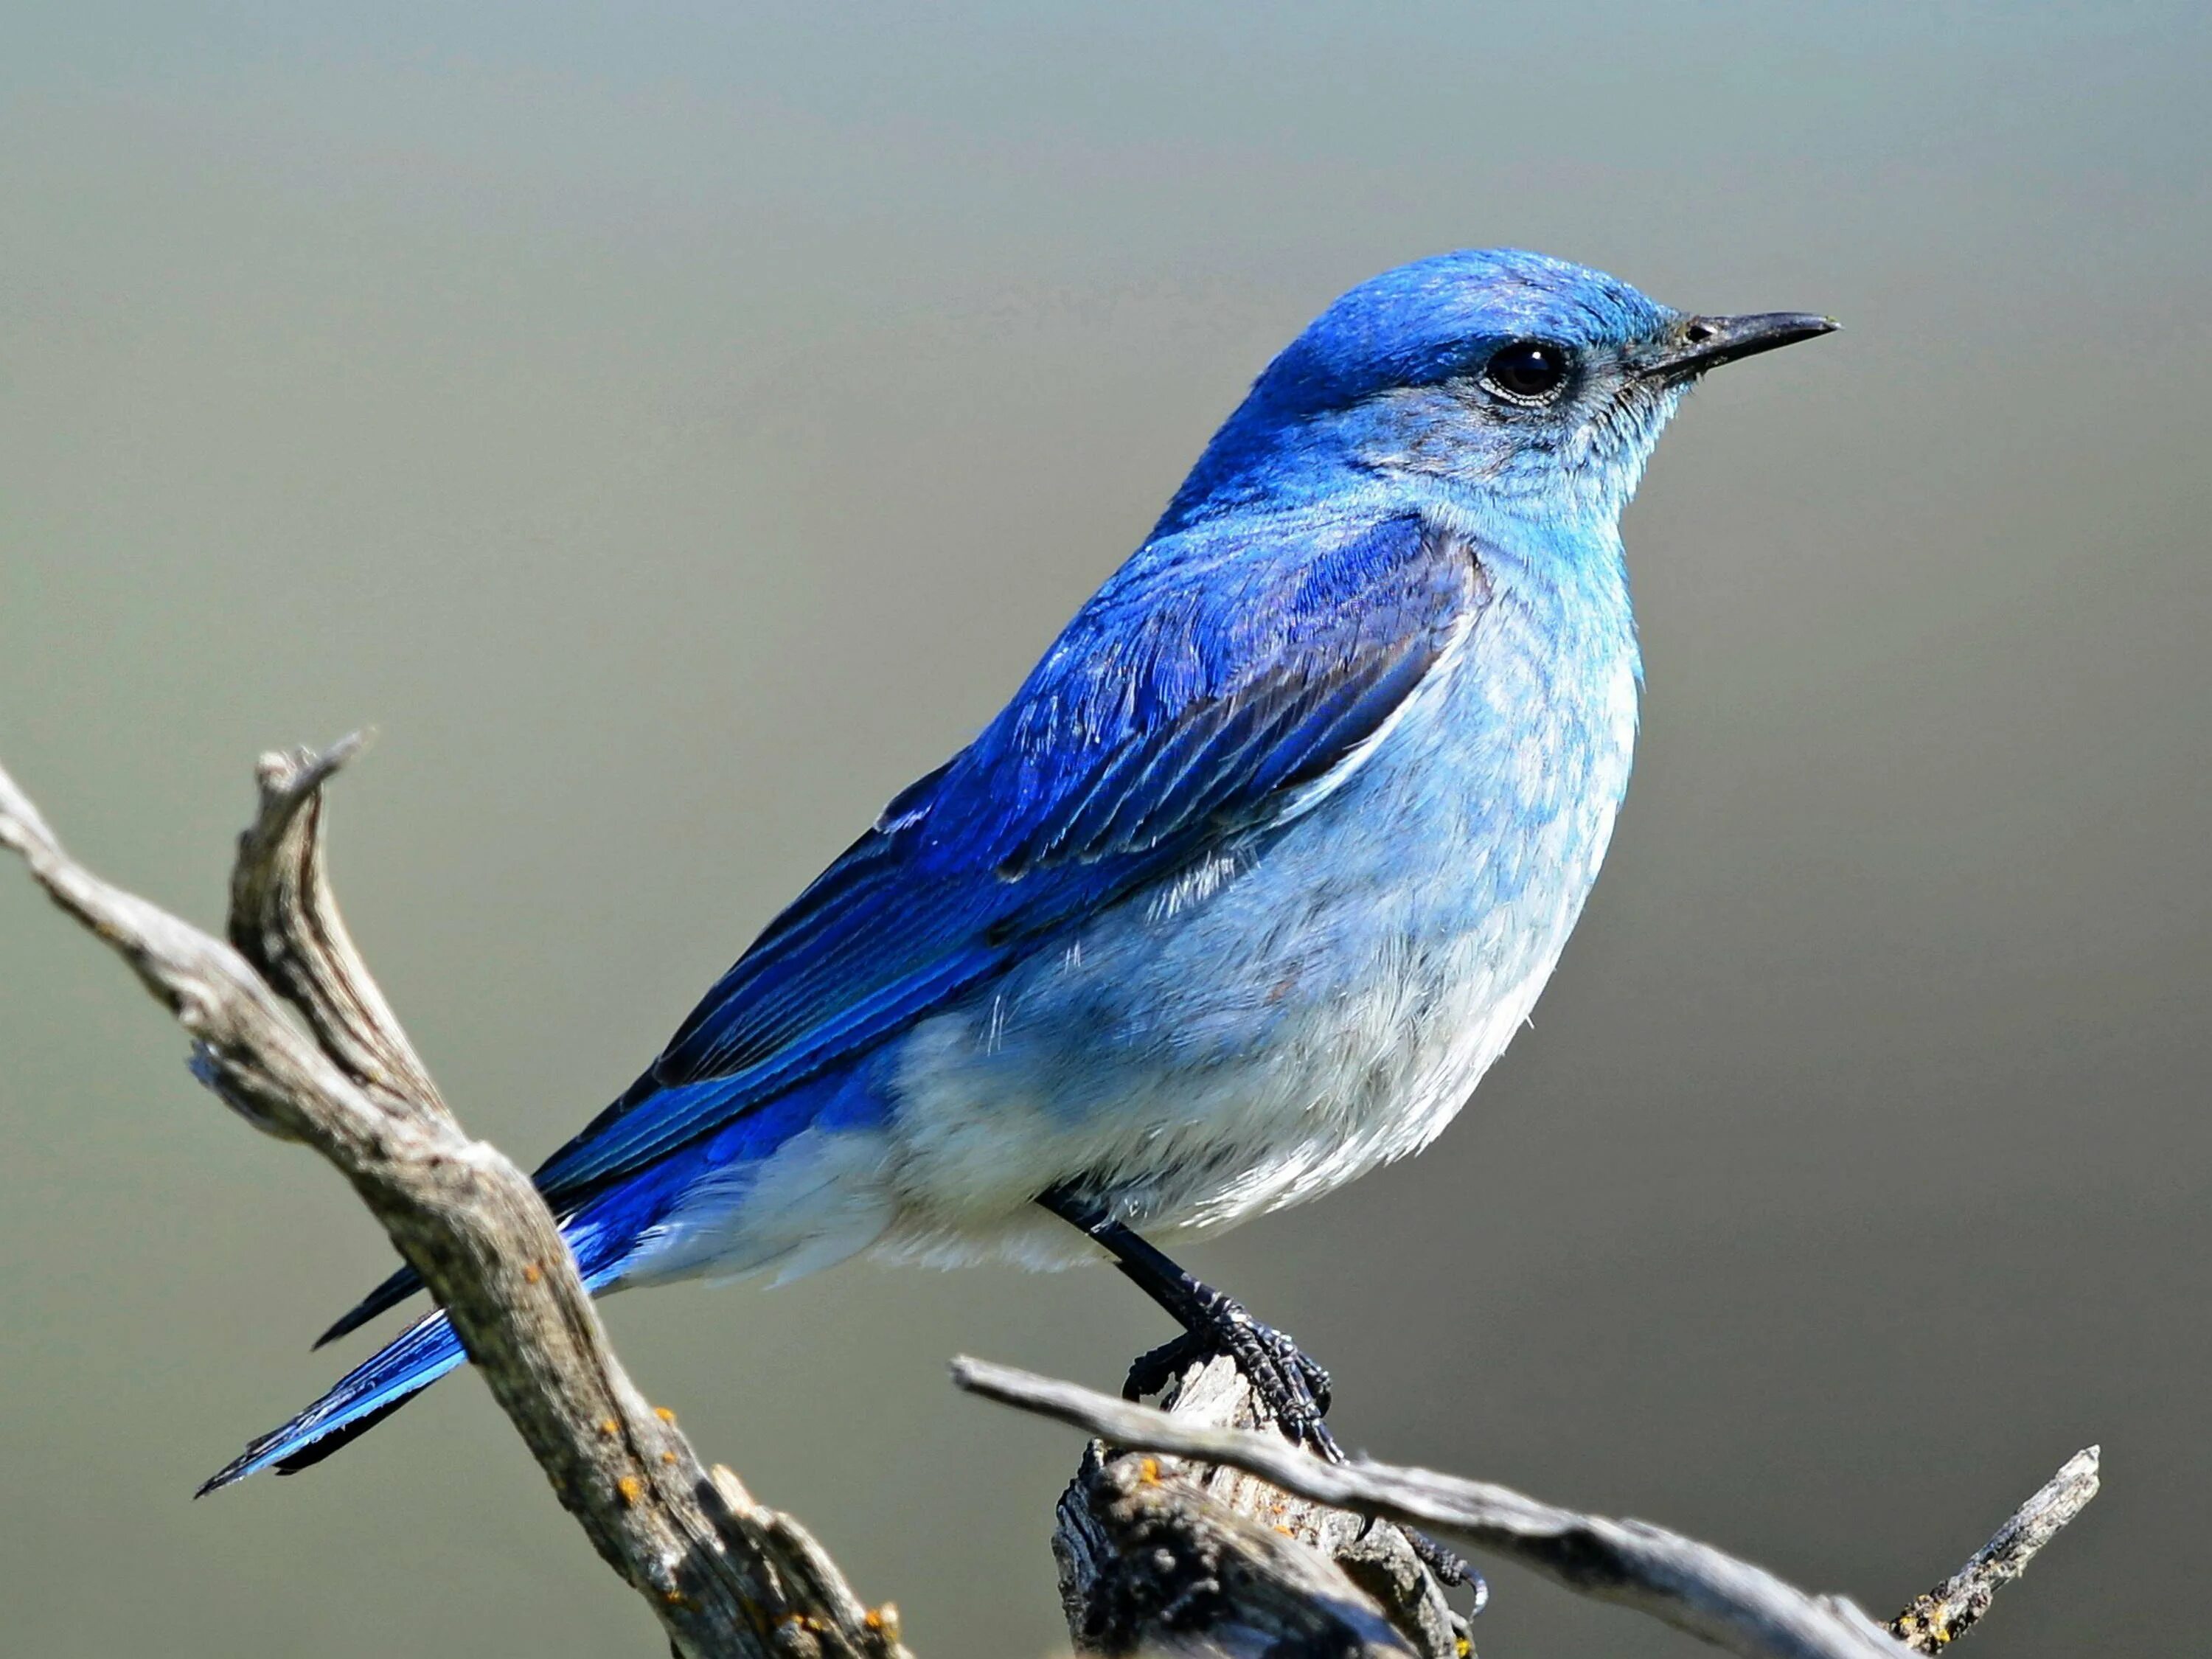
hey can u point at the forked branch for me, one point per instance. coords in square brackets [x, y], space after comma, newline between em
[1695, 1587]
[727, 1578]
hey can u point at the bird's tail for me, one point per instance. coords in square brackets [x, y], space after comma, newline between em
[395, 1373]
[359, 1399]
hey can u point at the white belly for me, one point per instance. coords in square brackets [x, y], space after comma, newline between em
[1255, 1033]
[1286, 1023]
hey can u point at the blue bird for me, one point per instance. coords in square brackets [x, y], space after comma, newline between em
[1242, 892]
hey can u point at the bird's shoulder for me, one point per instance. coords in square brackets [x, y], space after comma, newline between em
[1219, 668]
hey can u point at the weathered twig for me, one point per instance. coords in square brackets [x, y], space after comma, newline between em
[724, 1576]
[284, 920]
[1692, 1586]
[1948, 1612]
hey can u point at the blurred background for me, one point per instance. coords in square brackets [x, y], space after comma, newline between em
[674, 428]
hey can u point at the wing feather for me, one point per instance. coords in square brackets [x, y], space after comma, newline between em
[1188, 702]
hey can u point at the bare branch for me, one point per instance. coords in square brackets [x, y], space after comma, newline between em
[284, 920]
[1692, 1586]
[1945, 1613]
[724, 1576]
[1253, 1547]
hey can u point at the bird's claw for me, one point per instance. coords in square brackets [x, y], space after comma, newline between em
[1292, 1389]
[1448, 1568]
[1289, 1387]
[1152, 1371]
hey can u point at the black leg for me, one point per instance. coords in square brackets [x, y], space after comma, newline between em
[1292, 1388]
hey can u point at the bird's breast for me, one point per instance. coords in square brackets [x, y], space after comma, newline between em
[1308, 1001]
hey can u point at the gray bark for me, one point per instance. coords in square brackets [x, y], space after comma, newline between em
[1691, 1586]
[1190, 1533]
[290, 1029]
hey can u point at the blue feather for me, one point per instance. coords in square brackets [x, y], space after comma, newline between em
[363, 1398]
[1188, 700]
[1177, 708]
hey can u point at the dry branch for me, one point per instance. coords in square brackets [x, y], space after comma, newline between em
[1249, 1546]
[1945, 1613]
[727, 1578]
[1692, 1586]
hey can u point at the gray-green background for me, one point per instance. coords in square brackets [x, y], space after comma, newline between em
[673, 427]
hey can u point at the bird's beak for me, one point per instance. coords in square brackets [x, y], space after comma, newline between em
[1698, 343]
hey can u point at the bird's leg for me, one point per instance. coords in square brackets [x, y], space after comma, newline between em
[1294, 1388]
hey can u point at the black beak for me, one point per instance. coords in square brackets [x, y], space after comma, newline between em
[1702, 342]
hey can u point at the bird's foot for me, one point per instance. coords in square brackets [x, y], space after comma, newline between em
[1448, 1568]
[1151, 1371]
[1288, 1385]
[1293, 1389]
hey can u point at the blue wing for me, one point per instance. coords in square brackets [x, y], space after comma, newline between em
[1188, 701]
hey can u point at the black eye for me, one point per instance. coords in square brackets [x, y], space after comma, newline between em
[1527, 369]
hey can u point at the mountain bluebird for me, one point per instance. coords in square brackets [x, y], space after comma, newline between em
[1240, 893]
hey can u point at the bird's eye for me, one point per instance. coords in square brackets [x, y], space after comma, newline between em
[1527, 369]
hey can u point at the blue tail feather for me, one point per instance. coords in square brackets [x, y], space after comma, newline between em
[362, 1398]
[396, 1373]
[388, 1295]
[604, 1234]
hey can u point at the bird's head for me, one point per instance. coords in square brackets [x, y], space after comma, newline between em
[1539, 385]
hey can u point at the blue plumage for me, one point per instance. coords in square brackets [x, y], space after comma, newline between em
[1175, 711]
[1248, 882]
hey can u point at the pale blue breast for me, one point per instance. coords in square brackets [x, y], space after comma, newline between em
[1316, 1000]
